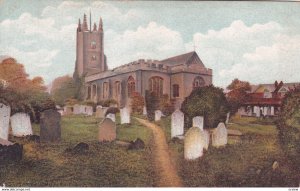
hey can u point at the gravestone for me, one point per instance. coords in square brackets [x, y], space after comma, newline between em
[265, 111]
[50, 130]
[76, 109]
[101, 111]
[272, 110]
[111, 116]
[144, 110]
[193, 143]
[4, 121]
[198, 122]
[158, 115]
[206, 139]
[257, 111]
[107, 130]
[219, 136]
[68, 110]
[88, 110]
[227, 118]
[177, 123]
[21, 125]
[125, 115]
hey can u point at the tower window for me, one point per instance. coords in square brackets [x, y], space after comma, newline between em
[93, 44]
[94, 57]
[198, 82]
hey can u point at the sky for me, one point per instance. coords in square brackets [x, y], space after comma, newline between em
[256, 41]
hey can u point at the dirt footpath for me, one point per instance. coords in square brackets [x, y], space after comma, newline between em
[168, 176]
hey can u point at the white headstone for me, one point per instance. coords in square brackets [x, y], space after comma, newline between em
[227, 117]
[76, 109]
[144, 110]
[4, 121]
[125, 115]
[177, 123]
[193, 143]
[272, 110]
[206, 139]
[257, 111]
[198, 122]
[88, 110]
[219, 136]
[111, 116]
[265, 111]
[157, 115]
[21, 125]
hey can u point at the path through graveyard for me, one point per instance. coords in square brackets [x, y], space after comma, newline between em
[168, 176]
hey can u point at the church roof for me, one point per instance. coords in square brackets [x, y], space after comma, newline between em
[186, 58]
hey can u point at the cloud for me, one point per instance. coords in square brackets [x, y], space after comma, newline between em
[153, 41]
[247, 52]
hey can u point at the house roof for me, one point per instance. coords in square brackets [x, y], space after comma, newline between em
[186, 58]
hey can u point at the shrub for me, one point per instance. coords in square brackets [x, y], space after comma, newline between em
[289, 126]
[137, 103]
[109, 102]
[152, 104]
[91, 103]
[165, 105]
[209, 102]
[113, 110]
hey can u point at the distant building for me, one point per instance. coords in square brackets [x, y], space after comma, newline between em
[265, 99]
[175, 76]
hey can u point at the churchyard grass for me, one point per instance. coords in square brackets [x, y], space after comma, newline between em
[103, 165]
[246, 161]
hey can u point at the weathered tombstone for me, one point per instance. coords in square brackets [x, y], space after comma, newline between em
[198, 122]
[177, 123]
[257, 111]
[125, 115]
[4, 121]
[50, 130]
[227, 118]
[88, 110]
[21, 125]
[206, 139]
[265, 111]
[157, 115]
[107, 130]
[76, 109]
[68, 110]
[111, 116]
[101, 111]
[272, 110]
[144, 110]
[10, 152]
[193, 143]
[219, 136]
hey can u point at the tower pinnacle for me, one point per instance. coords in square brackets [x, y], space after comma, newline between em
[100, 25]
[85, 26]
[79, 26]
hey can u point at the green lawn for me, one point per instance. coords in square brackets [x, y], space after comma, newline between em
[246, 162]
[103, 165]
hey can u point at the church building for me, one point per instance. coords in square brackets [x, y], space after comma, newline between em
[176, 76]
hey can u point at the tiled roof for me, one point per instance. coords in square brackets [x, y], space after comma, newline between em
[182, 59]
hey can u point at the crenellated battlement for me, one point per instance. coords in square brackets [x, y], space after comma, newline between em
[148, 64]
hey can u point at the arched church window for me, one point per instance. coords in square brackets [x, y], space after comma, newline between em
[175, 90]
[131, 86]
[156, 85]
[198, 82]
[94, 91]
[105, 90]
[117, 88]
[93, 44]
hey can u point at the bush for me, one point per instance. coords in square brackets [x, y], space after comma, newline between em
[109, 103]
[152, 104]
[209, 102]
[91, 103]
[113, 110]
[165, 105]
[137, 103]
[289, 126]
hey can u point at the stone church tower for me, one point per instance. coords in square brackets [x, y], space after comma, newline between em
[90, 56]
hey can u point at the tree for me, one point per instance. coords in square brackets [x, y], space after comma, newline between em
[20, 92]
[152, 104]
[137, 103]
[238, 94]
[209, 102]
[289, 126]
[63, 88]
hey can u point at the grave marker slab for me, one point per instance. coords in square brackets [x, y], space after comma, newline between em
[158, 115]
[177, 123]
[50, 130]
[198, 122]
[219, 136]
[125, 115]
[21, 125]
[4, 121]
[193, 143]
[107, 130]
